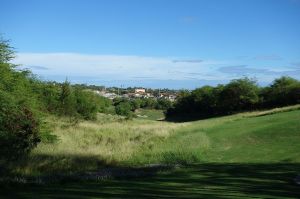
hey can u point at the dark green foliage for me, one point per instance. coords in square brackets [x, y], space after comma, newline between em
[163, 104]
[104, 104]
[148, 103]
[67, 100]
[19, 130]
[49, 95]
[135, 104]
[6, 51]
[127, 107]
[284, 91]
[124, 108]
[238, 95]
[86, 104]
[23, 97]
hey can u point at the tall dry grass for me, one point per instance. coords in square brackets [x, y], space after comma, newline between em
[90, 145]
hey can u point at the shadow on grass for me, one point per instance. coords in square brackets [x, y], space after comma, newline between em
[59, 164]
[195, 181]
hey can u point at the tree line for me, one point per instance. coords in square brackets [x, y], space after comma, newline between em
[126, 107]
[25, 101]
[236, 96]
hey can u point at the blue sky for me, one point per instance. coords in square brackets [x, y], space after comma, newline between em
[154, 43]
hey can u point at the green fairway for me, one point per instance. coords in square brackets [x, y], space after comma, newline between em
[242, 138]
[150, 114]
[248, 155]
[197, 181]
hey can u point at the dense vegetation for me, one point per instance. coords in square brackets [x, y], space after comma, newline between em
[25, 100]
[127, 107]
[236, 96]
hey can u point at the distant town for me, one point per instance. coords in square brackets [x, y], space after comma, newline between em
[132, 92]
[112, 93]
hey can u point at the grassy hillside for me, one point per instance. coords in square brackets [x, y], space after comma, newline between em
[257, 137]
[248, 155]
[90, 145]
[272, 136]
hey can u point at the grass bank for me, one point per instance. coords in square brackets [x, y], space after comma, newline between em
[248, 155]
[91, 145]
[255, 137]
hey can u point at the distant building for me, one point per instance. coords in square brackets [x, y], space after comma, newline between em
[170, 97]
[107, 95]
[139, 90]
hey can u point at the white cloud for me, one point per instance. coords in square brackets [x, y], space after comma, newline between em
[142, 70]
[118, 67]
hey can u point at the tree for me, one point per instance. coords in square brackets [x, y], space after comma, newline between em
[67, 100]
[19, 128]
[283, 91]
[124, 108]
[163, 104]
[6, 51]
[86, 104]
[205, 100]
[135, 104]
[240, 94]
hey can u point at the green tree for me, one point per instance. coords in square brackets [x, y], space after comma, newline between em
[135, 104]
[67, 100]
[6, 51]
[240, 94]
[19, 128]
[124, 108]
[86, 104]
[283, 91]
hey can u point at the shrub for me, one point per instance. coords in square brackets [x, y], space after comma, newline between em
[19, 130]
[124, 108]
[284, 91]
[67, 100]
[86, 104]
[240, 94]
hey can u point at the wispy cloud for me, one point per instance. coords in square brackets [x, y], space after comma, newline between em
[112, 66]
[188, 19]
[143, 77]
[245, 70]
[188, 61]
[38, 67]
[86, 68]
[270, 57]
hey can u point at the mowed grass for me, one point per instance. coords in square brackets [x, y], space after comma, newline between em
[220, 181]
[150, 114]
[248, 155]
[257, 137]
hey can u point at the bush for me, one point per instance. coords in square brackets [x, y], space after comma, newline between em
[240, 94]
[86, 104]
[284, 91]
[163, 104]
[124, 109]
[19, 130]
[67, 100]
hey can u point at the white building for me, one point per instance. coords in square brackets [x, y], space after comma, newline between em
[139, 90]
